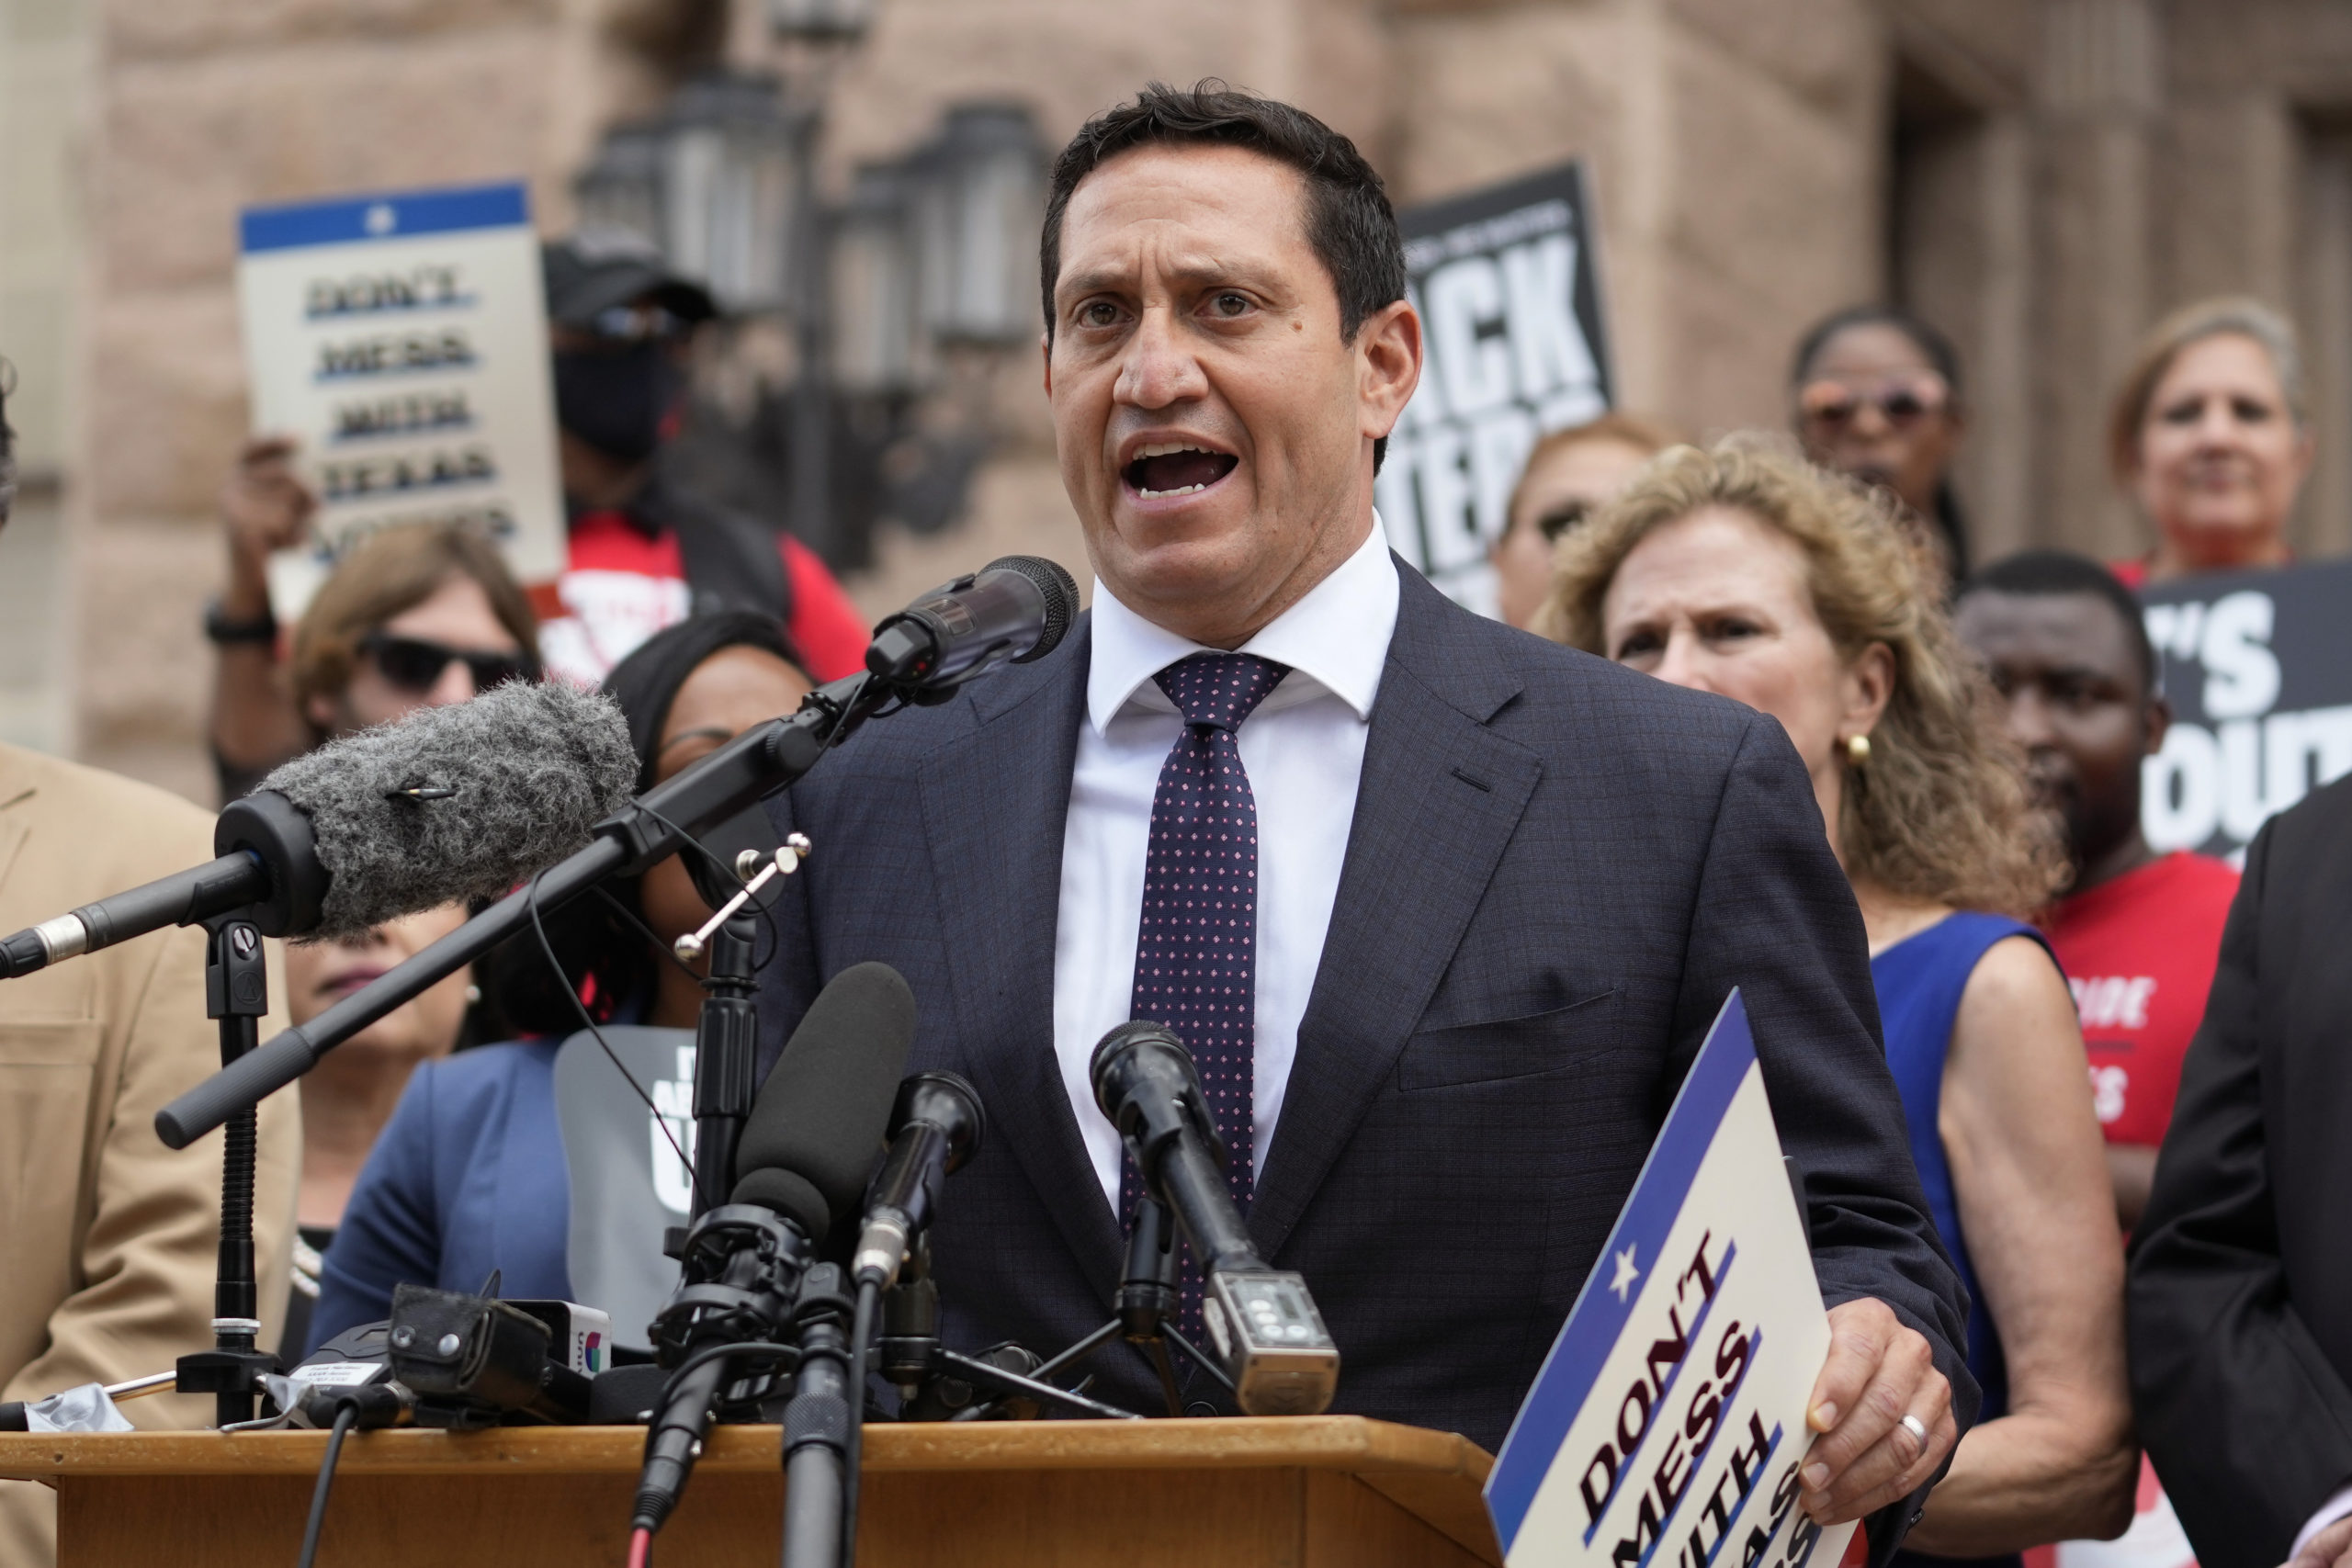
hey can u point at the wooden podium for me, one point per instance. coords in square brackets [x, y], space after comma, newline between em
[1318, 1492]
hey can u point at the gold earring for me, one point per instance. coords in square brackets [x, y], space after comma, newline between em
[1858, 750]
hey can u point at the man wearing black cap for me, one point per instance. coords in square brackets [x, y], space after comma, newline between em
[644, 552]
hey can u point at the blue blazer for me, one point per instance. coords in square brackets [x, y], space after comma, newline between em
[1556, 871]
[469, 1176]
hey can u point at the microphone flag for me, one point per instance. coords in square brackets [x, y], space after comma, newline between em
[1668, 1421]
[628, 1182]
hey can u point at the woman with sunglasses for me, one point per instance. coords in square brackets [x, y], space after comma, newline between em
[470, 1173]
[1568, 473]
[417, 616]
[1878, 398]
[2209, 436]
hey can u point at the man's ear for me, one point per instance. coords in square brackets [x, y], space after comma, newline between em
[1046, 359]
[2157, 721]
[1389, 364]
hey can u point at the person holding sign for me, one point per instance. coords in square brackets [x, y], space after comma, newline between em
[2211, 437]
[1498, 890]
[1738, 572]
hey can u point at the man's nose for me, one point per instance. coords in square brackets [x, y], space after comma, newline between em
[2028, 718]
[1159, 368]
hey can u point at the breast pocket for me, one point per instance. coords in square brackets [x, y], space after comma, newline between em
[46, 1072]
[1499, 1050]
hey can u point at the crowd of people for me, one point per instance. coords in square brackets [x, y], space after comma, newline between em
[1972, 734]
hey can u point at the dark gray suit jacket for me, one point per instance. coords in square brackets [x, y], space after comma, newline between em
[1559, 869]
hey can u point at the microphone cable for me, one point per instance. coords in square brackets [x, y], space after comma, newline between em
[861, 1346]
[564, 984]
[345, 1418]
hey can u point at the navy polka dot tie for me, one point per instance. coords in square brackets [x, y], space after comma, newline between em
[1196, 950]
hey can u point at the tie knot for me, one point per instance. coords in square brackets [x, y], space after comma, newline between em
[1219, 690]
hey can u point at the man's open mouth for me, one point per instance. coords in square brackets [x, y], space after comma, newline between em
[1175, 468]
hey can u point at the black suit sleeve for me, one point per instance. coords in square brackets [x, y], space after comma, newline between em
[2246, 1419]
[1776, 917]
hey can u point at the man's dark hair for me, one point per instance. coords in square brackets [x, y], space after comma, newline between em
[1349, 225]
[7, 442]
[2046, 572]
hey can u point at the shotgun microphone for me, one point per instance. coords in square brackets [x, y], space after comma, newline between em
[811, 1138]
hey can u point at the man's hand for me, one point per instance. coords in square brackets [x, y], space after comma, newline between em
[1864, 1458]
[266, 507]
[2331, 1548]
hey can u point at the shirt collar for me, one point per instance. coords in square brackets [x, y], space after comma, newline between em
[1335, 639]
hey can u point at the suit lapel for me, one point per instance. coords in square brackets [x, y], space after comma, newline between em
[1440, 797]
[994, 804]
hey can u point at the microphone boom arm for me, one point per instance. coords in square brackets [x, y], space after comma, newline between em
[757, 762]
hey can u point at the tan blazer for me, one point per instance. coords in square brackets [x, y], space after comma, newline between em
[110, 1239]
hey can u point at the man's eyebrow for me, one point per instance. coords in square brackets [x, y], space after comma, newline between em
[1193, 270]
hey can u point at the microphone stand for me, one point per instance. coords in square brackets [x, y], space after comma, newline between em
[1145, 1301]
[756, 764]
[236, 992]
[726, 1056]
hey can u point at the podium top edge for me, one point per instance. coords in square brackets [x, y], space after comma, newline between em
[1345, 1443]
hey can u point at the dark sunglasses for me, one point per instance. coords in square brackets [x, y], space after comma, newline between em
[1901, 401]
[415, 665]
[1560, 519]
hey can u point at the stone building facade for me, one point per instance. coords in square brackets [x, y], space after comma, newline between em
[2042, 177]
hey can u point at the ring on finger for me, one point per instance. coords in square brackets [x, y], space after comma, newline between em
[1918, 1428]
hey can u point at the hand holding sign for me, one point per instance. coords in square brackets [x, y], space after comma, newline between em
[1879, 1371]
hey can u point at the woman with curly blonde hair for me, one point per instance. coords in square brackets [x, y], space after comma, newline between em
[1744, 573]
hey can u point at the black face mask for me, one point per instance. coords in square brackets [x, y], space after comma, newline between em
[616, 398]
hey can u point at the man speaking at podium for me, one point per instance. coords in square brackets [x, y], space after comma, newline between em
[1475, 898]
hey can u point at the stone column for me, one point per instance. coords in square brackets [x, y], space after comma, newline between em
[2099, 94]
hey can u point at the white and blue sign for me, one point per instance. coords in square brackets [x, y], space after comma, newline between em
[1667, 1426]
[402, 341]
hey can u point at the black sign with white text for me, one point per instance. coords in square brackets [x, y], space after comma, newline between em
[2258, 666]
[1507, 286]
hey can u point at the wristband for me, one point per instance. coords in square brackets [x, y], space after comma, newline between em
[226, 633]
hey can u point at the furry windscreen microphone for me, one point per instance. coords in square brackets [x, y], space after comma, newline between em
[458, 801]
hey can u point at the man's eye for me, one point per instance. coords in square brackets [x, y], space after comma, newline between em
[1230, 304]
[1097, 313]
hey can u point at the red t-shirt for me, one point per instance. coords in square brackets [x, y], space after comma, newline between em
[2139, 952]
[623, 584]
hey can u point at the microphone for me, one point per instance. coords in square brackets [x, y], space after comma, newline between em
[1014, 610]
[448, 803]
[806, 1146]
[935, 1129]
[1261, 1322]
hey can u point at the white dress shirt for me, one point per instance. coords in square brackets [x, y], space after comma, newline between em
[1303, 748]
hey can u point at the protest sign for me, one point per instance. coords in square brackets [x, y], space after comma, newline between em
[1667, 1426]
[402, 339]
[2258, 668]
[1506, 283]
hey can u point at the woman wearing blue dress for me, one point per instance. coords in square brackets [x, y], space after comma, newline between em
[1745, 573]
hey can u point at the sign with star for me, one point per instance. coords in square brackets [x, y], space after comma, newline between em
[1668, 1421]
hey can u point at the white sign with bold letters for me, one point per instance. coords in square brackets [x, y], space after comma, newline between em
[402, 341]
[1668, 1423]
